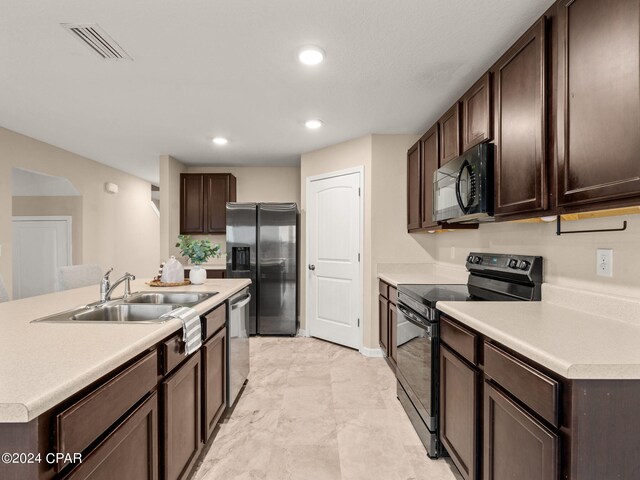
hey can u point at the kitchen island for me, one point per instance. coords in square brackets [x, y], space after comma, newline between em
[60, 382]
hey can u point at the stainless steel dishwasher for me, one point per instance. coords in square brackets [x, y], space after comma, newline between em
[238, 344]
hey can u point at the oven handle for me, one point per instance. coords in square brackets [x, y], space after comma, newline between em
[412, 318]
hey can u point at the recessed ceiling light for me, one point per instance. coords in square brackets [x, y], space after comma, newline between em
[311, 55]
[313, 124]
[220, 141]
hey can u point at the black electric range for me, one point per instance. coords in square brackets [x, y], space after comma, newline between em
[492, 277]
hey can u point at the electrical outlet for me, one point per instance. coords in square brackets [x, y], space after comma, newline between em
[453, 253]
[604, 262]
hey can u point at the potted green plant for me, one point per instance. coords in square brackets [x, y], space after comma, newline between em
[198, 252]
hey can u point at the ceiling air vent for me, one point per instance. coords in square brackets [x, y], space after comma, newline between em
[97, 40]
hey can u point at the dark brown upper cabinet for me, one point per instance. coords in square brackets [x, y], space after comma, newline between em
[449, 125]
[598, 124]
[476, 114]
[414, 199]
[203, 200]
[192, 203]
[429, 164]
[221, 188]
[520, 123]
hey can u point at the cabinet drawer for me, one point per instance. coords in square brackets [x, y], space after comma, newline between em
[82, 423]
[463, 341]
[393, 295]
[214, 320]
[172, 351]
[130, 451]
[384, 289]
[534, 389]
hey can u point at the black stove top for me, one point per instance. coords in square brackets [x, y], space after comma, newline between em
[430, 294]
[494, 277]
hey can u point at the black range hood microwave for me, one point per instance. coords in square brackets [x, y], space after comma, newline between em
[463, 187]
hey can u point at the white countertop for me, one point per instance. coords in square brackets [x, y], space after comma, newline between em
[573, 338]
[429, 274]
[42, 364]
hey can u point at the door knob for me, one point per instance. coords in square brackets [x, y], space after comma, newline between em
[312, 267]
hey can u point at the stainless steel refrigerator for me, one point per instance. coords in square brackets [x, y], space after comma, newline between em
[262, 245]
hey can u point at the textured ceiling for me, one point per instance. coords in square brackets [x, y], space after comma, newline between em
[229, 68]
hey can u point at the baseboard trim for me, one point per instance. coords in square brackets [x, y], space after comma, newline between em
[371, 352]
[302, 333]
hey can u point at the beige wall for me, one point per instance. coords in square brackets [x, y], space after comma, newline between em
[569, 260]
[391, 242]
[170, 170]
[253, 184]
[117, 230]
[47, 206]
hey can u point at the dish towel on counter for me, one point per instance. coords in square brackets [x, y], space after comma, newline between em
[191, 330]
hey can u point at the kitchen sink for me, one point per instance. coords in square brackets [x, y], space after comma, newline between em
[113, 312]
[124, 313]
[185, 299]
[140, 307]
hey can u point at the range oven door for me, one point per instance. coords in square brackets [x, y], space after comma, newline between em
[417, 372]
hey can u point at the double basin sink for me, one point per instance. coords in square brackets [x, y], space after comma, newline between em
[140, 307]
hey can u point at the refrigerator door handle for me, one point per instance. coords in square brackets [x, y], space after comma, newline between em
[242, 303]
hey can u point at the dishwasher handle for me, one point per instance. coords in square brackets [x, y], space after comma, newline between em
[241, 303]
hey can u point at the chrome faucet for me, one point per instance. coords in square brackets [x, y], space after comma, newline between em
[106, 289]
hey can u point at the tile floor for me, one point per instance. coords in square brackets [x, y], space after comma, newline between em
[313, 410]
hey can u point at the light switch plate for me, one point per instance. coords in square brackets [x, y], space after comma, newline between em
[604, 262]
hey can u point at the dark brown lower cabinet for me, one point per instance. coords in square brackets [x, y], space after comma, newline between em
[181, 394]
[129, 452]
[214, 371]
[388, 322]
[148, 419]
[393, 329]
[383, 316]
[459, 383]
[211, 272]
[515, 444]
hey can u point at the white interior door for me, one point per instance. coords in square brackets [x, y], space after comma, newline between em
[334, 297]
[40, 246]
